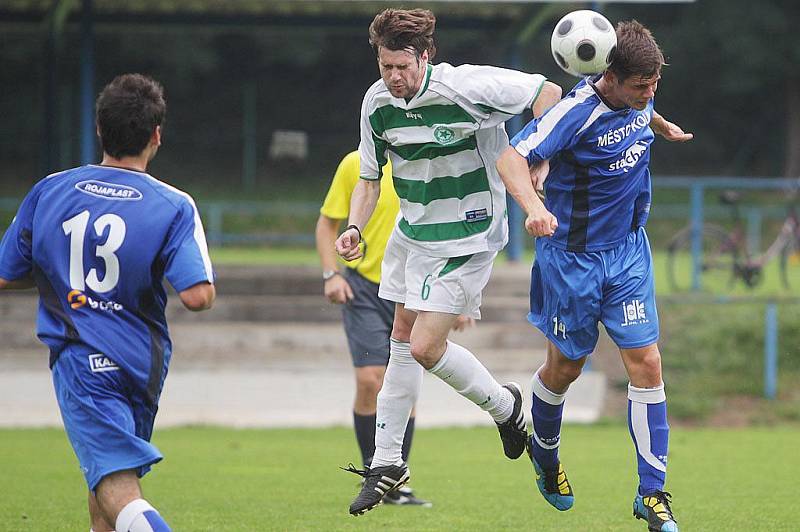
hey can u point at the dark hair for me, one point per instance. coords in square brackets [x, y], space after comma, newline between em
[400, 29]
[127, 111]
[637, 53]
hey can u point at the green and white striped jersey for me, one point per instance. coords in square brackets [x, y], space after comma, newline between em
[443, 144]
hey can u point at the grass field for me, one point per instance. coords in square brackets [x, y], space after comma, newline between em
[248, 480]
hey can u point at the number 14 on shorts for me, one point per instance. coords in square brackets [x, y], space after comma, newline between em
[559, 328]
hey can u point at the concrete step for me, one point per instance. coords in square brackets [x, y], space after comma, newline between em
[266, 308]
[507, 280]
[285, 345]
[281, 398]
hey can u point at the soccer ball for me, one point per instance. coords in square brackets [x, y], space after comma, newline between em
[583, 43]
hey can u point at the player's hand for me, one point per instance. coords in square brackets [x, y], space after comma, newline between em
[347, 245]
[541, 222]
[463, 323]
[539, 171]
[674, 133]
[337, 290]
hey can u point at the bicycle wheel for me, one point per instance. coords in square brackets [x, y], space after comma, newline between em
[790, 264]
[717, 270]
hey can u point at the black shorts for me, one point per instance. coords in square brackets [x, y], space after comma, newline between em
[367, 322]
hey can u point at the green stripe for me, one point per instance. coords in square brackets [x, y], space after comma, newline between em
[454, 263]
[536, 96]
[432, 150]
[442, 187]
[443, 231]
[380, 153]
[428, 72]
[391, 117]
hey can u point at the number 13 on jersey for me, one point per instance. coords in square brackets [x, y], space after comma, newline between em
[75, 228]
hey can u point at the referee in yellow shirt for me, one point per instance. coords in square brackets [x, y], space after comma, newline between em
[367, 318]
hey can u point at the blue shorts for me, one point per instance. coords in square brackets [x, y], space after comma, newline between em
[108, 421]
[571, 292]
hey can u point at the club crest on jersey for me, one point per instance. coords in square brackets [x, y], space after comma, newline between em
[111, 191]
[444, 135]
[99, 363]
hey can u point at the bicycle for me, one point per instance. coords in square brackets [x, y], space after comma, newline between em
[725, 253]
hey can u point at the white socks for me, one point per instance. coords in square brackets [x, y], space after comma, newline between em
[401, 385]
[459, 368]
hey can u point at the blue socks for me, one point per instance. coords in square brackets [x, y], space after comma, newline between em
[546, 413]
[647, 422]
[140, 516]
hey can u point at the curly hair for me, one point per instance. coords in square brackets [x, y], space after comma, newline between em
[637, 53]
[127, 111]
[404, 29]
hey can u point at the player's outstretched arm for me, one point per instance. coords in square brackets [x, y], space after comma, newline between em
[17, 284]
[198, 297]
[514, 172]
[362, 204]
[668, 130]
[547, 98]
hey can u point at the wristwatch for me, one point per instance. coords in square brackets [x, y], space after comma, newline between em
[327, 274]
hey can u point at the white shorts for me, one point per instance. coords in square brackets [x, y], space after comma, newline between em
[435, 284]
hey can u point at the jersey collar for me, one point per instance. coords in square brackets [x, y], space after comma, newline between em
[425, 83]
[591, 82]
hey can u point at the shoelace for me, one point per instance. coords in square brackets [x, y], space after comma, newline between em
[551, 481]
[665, 498]
[364, 473]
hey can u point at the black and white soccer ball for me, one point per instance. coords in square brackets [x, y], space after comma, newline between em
[583, 43]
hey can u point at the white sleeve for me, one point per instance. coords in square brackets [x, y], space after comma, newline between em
[499, 92]
[371, 148]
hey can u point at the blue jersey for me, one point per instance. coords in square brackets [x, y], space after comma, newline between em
[99, 241]
[598, 187]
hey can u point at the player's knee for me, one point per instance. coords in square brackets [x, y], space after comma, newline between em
[645, 370]
[425, 352]
[557, 376]
[369, 385]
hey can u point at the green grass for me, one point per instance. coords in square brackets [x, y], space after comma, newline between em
[241, 480]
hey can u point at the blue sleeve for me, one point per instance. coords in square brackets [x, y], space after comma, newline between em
[185, 253]
[556, 130]
[16, 248]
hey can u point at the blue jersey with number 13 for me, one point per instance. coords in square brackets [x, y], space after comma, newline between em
[99, 241]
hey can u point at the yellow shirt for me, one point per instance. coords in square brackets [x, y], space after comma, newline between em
[380, 225]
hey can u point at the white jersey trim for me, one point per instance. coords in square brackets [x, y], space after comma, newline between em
[199, 233]
[549, 121]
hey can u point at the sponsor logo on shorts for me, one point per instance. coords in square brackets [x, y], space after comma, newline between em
[111, 191]
[78, 299]
[100, 363]
[633, 313]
